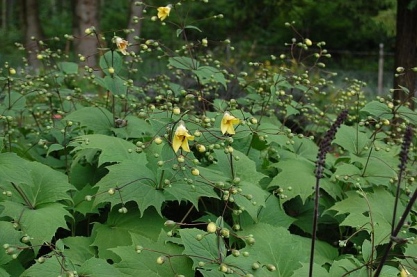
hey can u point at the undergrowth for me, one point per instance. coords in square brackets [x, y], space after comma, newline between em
[205, 170]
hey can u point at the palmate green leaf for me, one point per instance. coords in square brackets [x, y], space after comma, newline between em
[33, 202]
[178, 189]
[95, 119]
[381, 206]
[40, 223]
[54, 147]
[99, 267]
[252, 196]
[115, 84]
[81, 205]
[317, 271]
[368, 253]
[133, 181]
[352, 140]
[408, 114]
[410, 253]
[32, 181]
[183, 63]
[296, 178]
[9, 235]
[348, 264]
[119, 229]
[274, 214]
[305, 148]
[324, 253]
[379, 172]
[13, 102]
[378, 110]
[78, 249]
[50, 268]
[111, 59]
[135, 128]
[84, 172]
[55, 266]
[68, 67]
[3, 273]
[333, 189]
[208, 74]
[273, 246]
[347, 173]
[14, 268]
[205, 250]
[112, 149]
[144, 263]
[182, 191]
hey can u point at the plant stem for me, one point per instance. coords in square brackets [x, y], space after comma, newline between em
[231, 166]
[315, 219]
[23, 195]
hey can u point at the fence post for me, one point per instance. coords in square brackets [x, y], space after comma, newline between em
[381, 69]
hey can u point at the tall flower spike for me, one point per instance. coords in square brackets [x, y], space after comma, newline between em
[325, 144]
[121, 44]
[163, 12]
[227, 123]
[181, 138]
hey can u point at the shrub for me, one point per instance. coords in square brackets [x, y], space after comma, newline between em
[202, 168]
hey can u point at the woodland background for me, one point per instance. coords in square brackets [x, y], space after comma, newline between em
[353, 30]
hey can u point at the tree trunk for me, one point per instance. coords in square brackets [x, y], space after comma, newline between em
[135, 25]
[33, 29]
[85, 15]
[4, 14]
[405, 52]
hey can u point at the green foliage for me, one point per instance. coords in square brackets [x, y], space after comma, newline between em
[92, 184]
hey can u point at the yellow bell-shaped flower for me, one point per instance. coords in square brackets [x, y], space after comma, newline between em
[163, 12]
[227, 123]
[121, 45]
[181, 138]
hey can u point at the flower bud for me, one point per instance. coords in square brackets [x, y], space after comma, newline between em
[211, 227]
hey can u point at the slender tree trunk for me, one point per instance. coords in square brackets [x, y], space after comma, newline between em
[4, 14]
[85, 15]
[135, 25]
[10, 19]
[33, 31]
[405, 51]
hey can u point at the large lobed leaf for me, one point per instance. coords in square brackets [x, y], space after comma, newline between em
[121, 227]
[133, 181]
[9, 235]
[273, 246]
[34, 205]
[371, 211]
[296, 178]
[352, 140]
[252, 197]
[112, 149]
[204, 250]
[55, 266]
[144, 263]
[40, 223]
[95, 119]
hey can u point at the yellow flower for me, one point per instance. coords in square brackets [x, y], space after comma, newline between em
[228, 121]
[163, 12]
[181, 138]
[121, 44]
